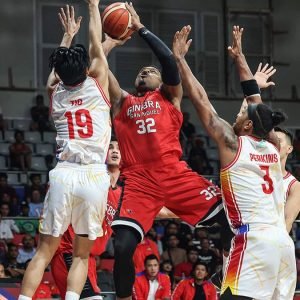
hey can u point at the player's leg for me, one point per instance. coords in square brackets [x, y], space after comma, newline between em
[36, 268]
[126, 240]
[79, 268]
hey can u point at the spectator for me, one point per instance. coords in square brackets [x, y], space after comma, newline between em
[199, 234]
[7, 226]
[36, 204]
[28, 250]
[184, 269]
[20, 153]
[198, 159]
[36, 184]
[151, 284]
[171, 228]
[5, 188]
[2, 272]
[14, 269]
[167, 268]
[187, 128]
[152, 234]
[196, 287]
[40, 116]
[27, 225]
[144, 249]
[13, 206]
[208, 256]
[173, 253]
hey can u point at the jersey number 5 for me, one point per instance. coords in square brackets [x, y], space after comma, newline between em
[145, 126]
[267, 187]
[83, 120]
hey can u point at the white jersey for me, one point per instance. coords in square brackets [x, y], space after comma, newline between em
[81, 115]
[288, 181]
[252, 185]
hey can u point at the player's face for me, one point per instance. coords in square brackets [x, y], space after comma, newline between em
[114, 155]
[148, 79]
[152, 267]
[200, 272]
[241, 119]
[285, 147]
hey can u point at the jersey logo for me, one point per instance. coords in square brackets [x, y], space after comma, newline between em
[76, 102]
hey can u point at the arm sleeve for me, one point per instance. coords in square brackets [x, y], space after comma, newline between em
[178, 291]
[167, 290]
[137, 293]
[170, 74]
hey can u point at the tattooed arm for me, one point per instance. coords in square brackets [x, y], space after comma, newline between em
[217, 128]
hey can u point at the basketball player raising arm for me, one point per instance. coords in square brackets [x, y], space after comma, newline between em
[252, 184]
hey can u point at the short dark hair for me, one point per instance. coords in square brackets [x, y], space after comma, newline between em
[150, 257]
[264, 118]
[192, 249]
[34, 175]
[19, 132]
[70, 63]
[199, 263]
[113, 138]
[287, 133]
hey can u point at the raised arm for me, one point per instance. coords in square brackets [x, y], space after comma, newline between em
[218, 129]
[248, 82]
[171, 86]
[70, 27]
[99, 66]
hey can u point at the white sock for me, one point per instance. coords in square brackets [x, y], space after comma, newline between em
[22, 297]
[71, 296]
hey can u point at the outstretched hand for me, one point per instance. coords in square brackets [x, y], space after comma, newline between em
[135, 18]
[68, 22]
[235, 49]
[263, 74]
[116, 42]
[181, 44]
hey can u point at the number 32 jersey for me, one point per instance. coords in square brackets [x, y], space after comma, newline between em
[81, 116]
[252, 185]
[147, 129]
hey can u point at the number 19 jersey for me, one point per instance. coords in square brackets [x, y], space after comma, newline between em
[148, 128]
[81, 116]
[252, 185]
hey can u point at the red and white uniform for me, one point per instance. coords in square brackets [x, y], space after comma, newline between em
[254, 197]
[148, 128]
[142, 287]
[288, 181]
[62, 259]
[79, 183]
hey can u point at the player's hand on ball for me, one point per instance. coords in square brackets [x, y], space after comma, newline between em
[68, 22]
[235, 49]
[116, 42]
[263, 74]
[135, 19]
[181, 44]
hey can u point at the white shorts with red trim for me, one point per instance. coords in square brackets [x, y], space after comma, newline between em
[261, 264]
[77, 195]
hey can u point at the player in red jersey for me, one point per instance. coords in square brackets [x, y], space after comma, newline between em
[62, 259]
[147, 126]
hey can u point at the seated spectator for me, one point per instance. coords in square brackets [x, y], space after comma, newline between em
[36, 184]
[167, 268]
[7, 191]
[36, 204]
[196, 287]
[184, 269]
[199, 234]
[208, 255]
[152, 234]
[12, 267]
[2, 272]
[7, 226]
[27, 225]
[20, 153]
[151, 284]
[143, 249]
[171, 228]
[40, 116]
[13, 206]
[198, 159]
[28, 250]
[173, 253]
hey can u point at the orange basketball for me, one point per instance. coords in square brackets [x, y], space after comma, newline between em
[116, 21]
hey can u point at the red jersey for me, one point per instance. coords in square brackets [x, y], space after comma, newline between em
[148, 128]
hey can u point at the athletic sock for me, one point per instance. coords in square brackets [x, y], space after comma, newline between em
[22, 297]
[71, 296]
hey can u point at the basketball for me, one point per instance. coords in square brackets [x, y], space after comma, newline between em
[116, 21]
